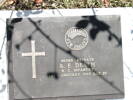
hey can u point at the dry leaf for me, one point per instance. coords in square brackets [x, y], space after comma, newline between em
[106, 2]
[38, 1]
[9, 2]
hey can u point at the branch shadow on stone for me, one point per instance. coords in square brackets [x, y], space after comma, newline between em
[101, 26]
[98, 26]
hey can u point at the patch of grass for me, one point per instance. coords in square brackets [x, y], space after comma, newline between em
[121, 3]
[53, 4]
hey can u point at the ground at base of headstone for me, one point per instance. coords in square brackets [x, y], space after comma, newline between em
[54, 4]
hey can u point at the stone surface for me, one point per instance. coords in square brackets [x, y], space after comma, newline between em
[71, 57]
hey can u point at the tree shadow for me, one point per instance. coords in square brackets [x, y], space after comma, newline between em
[28, 12]
[11, 78]
[3, 86]
[97, 27]
[69, 52]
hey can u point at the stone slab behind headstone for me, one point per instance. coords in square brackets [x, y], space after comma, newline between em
[53, 77]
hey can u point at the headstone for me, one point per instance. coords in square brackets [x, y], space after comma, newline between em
[65, 58]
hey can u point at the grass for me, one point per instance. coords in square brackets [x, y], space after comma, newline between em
[53, 4]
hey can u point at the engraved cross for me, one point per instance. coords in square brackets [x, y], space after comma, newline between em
[33, 54]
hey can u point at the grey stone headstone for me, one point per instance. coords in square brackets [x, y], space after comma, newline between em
[74, 58]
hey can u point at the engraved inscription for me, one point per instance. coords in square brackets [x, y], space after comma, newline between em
[33, 54]
[70, 67]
